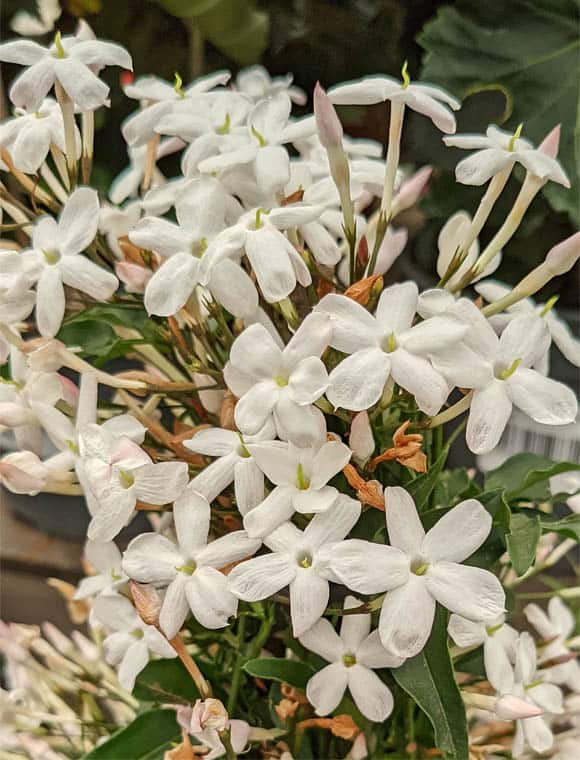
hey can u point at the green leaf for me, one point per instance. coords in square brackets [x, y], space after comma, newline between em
[146, 738]
[526, 476]
[277, 669]
[430, 680]
[165, 681]
[527, 50]
[568, 526]
[496, 504]
[421, 488]
[522, 541]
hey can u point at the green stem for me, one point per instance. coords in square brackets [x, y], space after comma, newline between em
[226, 740]
[237, 676]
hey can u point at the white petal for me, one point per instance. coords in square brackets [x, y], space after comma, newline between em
[276, 508]
[468, 522]
[152, 558]
[526, 338]
[175, 607]
[191, 515]
[433, 335]
[488, 415]
[325, 689]
[272, 167]
[232, 547]
[323, 640]
[354, 629]
[23, 52]
[97, 52]
[365, 91]
[267, 251]
[314, 501]
[79, 221]
[329, 460]
[233, 288]
[321, 244]
[466, 633]
[261, 577]
[30, 149]
[50, 301]
[103, 556]
[171, 285]
[308, 381]
[366, 567]
[438, 113]
[469, 591]
[561, 616]
[84, 275]
[416, 375]
[372, 697]
[254, 408]
[301, 425]
[498, 668]
[159, 235]
[210, 600]
[249, 485]
[277, 461]
[538, 734]
[543, 399]
[214, 442]
[31, 87]
[407, 618]
[310, 339]
[548, 696]
[256, 352]
[353, 327]
[536, 616]
[334, 524]
[396, 308]
[115, 506]
[161, 483]
[358, 381]
[403, 523]
[562, 336]
[478, 168]
[85, 89]
[309, 595]
[135, 659]
[372, 654]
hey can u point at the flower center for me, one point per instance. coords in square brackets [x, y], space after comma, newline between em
[225, 127]
[259, 137]
[549, 305]
[348, 660]
[491, 629]
[503, 374]
[281, 381]
[72, 446]
[52, 257]
[302, 482]
[389, 344]
[187, 569]
[60, 52]
[405, 76]
[198, 247]
[304, 560]
[126, 479]
[114, 576]
[178, 85]
[533, 684]
[242, 450]
[419, 566]
[514, 138]
[137, 633]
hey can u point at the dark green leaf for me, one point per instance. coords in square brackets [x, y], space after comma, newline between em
[568, 526]
[473, 46]
[526, 476]
[165, 681]
[421, 488]
[495, 503]
[146, 738]
[522, 541]
[277, 669]
[429, 679]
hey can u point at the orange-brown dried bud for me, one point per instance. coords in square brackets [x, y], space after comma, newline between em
[362, 290]
[367, 491]
[406, 450]
[227, 411]
[147, 602]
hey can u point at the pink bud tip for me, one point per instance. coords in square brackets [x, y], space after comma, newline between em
[509, 707]
[327, 121]
[551, 142]
[562, 257]
[412, 189]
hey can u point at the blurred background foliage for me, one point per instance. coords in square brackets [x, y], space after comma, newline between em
[510, 61]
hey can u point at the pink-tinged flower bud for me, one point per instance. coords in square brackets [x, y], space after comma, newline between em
[23, 472]
[70, 391]
[327, 121]
[412, 189]
[562, 257]
[361, 438]
[209, 713]
[134, 277]
[509, 707]
[551, 143]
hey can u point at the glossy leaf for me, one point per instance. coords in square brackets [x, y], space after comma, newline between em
[277, 669]
[522, 541]
[148, 737]
[165, 681]
[526, 476]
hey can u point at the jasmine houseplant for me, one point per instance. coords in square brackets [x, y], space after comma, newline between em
[316, 582]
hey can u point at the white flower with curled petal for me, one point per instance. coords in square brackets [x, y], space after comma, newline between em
[498, 150]
[69, 61]
[387, 345]
[235, 463]
[423, 98]
[256, 83]
[268, 129]
[523, 682]
[300, 560]
[119, 473]
[499, 371]
[106, 560]
[301, 478]
[28, 136]
[160, 98]
[189, 569]
[560, 332]
[29, 25]
[281, 381]
[55, 259]
[420, 569]
[353, 655]
[131, 642]
[492, 634]
[23, 472]
[556, 627]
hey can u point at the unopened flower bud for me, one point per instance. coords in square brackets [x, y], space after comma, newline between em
[551, 142]
[361, 438]
[208, 713]
[411, 190]
[509, 707]
[147, 602]
[562, 257]
[133, 276]
[327, 122]
[23, 472]
[362, 290]
[362, 253]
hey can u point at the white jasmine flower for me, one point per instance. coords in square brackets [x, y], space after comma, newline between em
[423, 98]
[449, 242]
[275, 261]
[106, 559]
[208, 713]
[555, 628]
[419, 569]
[28, 136]
[560, 332]
[54, 259]
[301, 478]
[284, 382]
[240, 732]
[256, 83]
[132, 642]
[354, 655]
[23, 472]
[492, 634]
[117, 221]
[189, 568]
[522, 681]
[29, 25]
[119, 473]
[161, 98]
[16, 297]
[387, 345]
[300, 560]
[68, 61]
[127, 183]
[269, 129]
[498, 150]
[235, 463]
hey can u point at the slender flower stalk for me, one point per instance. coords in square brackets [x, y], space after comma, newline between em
[68, 116]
